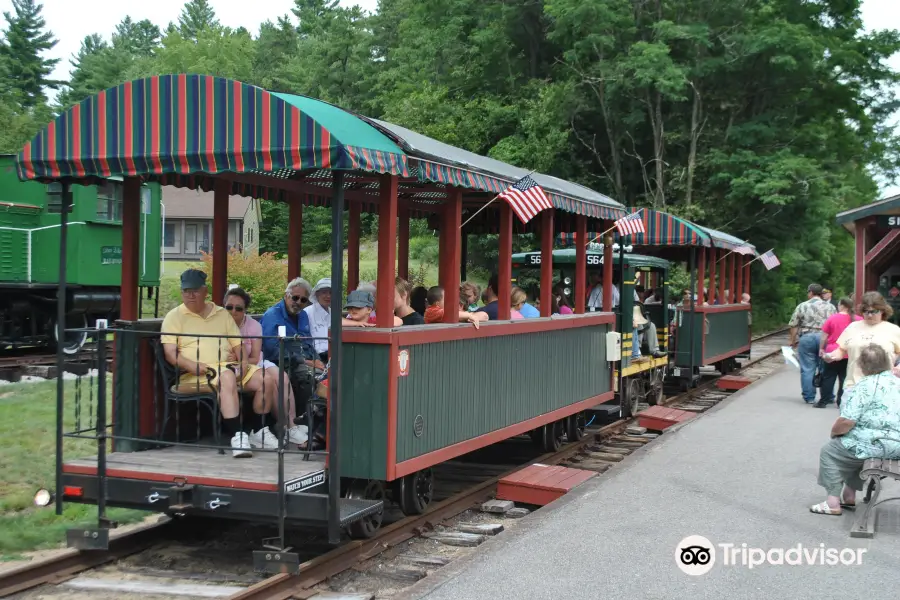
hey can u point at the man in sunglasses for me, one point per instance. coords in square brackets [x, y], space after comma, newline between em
[299, 354]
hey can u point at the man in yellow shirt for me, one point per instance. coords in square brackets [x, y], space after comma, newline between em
[218, 360]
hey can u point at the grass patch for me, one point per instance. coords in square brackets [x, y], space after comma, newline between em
[27, 463]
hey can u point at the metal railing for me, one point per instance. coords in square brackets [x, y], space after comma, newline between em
[165, 369]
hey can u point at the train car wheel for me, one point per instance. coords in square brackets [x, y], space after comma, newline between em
[366, 490]
[630, 397]
[416, 492]
[537, 437]
[575, 427]
[72, 342]
[552, 436]
[655, 395]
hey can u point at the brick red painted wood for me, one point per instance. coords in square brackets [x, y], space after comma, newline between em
[659, 418]
[540, 484]
[733, 382]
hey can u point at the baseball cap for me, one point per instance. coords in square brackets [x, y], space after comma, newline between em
[359, 299]
[193, 279]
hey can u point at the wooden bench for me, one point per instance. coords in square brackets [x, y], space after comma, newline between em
[874, 471]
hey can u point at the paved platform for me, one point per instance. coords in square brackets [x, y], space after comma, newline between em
[742, 473]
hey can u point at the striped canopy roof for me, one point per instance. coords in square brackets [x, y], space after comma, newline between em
[662, 229]
[177, 128]
[729, 242]
[442, 163]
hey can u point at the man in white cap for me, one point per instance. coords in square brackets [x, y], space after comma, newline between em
[319, 313]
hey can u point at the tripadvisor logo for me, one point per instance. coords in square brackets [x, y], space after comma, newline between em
[696, 555]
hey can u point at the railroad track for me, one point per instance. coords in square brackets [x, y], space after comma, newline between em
[596, 451]
[28, 357]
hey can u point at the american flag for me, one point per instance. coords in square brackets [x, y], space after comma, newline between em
[630, 224]
[743, 249]
[769, 260]
[526, 198]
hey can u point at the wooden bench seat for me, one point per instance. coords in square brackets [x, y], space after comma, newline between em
[873, 471]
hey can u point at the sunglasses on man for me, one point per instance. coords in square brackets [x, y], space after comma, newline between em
[232, 307]
[300, 299]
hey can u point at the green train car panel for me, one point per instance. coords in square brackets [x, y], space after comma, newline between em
[29, 232]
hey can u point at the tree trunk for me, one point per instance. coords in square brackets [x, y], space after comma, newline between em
[696, 129]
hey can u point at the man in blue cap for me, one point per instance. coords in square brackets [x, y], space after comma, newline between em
[217, 359]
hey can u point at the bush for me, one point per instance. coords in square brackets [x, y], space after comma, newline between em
[263, 277]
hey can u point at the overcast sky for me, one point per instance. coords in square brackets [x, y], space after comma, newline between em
[71, 20]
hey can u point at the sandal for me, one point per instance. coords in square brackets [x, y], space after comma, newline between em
[848, 505]
[823, 509]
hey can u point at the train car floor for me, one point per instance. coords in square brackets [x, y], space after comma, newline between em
[742, 475]
[201, 466]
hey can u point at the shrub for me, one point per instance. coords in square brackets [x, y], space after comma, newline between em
[263, 276]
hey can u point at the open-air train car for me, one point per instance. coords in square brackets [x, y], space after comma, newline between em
[401, 399]
[706, 331]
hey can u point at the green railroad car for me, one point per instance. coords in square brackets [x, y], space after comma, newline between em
[29, 256]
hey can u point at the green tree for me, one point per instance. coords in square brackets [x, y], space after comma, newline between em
[196, 16]
[25, 39]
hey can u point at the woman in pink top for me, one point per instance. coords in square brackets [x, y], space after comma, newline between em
[832, 329]
[237, 302]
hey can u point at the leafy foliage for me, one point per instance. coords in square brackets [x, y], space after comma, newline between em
[762, 118]
[263, 276]
[25, 70]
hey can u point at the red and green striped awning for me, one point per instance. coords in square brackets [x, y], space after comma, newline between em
[177, 127]
[662, 229]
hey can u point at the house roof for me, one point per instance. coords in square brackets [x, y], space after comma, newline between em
[182, 203]
[886, 206]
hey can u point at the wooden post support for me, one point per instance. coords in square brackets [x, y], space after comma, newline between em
[403, 242]
[546, 261]
[580, 263]
[353, 246]
[131, 230]
[387, 251]
[747, 278]
[721, 273]
[732, 288]
[701, 277]
[295, 236]
[449, 271]
[504, 267]
[221, 192]
[739, 288]
[712, 277]
[608, 268]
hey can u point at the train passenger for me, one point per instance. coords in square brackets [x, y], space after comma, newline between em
[807, 321]
[873, 329]
[237, 302]
[470, 292]
[359, 306]
[595, 294]
[299, 354]
[868, 427]
[218, 360]
[435, 311]
[529, 310]
[402, 309]
[561, 303]
[516, 301]
[489, 298]
[319, 315]
[832, 329]
[655, 297]
[745, 298]
[417, 299]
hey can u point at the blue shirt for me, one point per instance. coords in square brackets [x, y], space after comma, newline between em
[491, 310]
[529, 312]
[874, 404]
[295, 325]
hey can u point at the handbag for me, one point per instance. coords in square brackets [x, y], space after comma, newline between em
[817, 379]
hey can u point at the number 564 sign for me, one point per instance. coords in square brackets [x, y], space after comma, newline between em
[592, 259]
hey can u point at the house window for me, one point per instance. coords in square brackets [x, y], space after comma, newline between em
[196, 238]
[54, 198]
[172, 237]
[109, 201]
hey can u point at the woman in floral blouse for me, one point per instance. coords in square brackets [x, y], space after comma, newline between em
[869, 427]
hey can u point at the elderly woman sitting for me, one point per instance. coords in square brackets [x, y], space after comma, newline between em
[869, 427]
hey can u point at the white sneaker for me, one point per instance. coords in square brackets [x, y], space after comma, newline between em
[264, 438]
[240, 445]
[298, 434]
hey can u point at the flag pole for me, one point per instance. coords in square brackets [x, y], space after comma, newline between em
[732, 252]
[759, 257]
[492, 199]
[600, 235]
